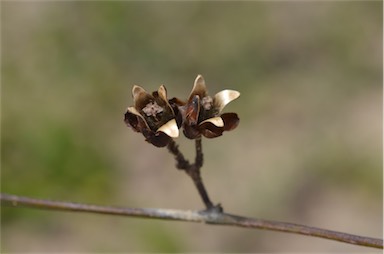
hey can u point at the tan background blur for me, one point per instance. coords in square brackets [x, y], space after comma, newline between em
[308, 148]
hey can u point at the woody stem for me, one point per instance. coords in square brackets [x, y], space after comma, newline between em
[181, 162]
[194, 173]
[193, 170]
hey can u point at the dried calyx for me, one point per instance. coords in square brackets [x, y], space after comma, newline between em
[153, 116]
[159, 119]
[203, 113]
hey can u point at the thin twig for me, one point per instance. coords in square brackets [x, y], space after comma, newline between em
[207, 216]
[195, 174]
[199, 153]
[193, 170]
[182, 163]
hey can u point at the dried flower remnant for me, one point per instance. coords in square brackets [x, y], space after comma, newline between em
[153, 116]
[159, 120]
[202, 113]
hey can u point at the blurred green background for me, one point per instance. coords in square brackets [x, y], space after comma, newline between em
[308, 148]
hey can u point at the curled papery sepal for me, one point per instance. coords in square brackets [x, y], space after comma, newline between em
[162, 91]
[136, 91]
[209, 130]
[134, 111]
[140, 97]
[231, 121]
[199, 87]
[170, 128]
[224, 97]
[217, 121]
[158, 139]
[133, 118]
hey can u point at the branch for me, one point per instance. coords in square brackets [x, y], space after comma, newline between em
[208, 216]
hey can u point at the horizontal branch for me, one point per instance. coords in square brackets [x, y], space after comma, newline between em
[207, 216]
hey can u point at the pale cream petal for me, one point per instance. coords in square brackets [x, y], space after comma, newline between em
[199, 87]
[217, 121]
[170, 128]
[224, 97]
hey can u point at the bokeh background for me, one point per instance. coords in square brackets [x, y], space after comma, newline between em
[308, 148]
